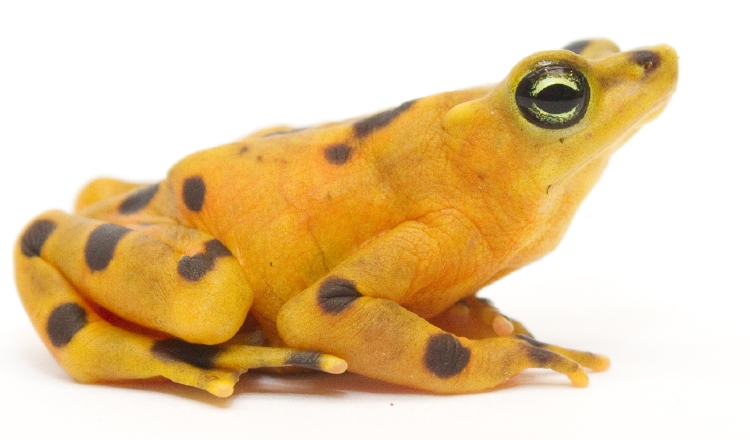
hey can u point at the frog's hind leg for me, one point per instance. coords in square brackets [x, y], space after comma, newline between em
[94, 345]
[88, 347]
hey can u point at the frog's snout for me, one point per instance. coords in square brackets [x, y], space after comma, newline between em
[661, 59]
[648, 74]
[647, 59]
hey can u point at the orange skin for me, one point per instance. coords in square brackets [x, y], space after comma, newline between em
[355, 245]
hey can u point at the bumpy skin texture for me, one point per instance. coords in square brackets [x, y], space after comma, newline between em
[358, 244]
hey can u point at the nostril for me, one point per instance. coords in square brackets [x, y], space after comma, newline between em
[647, 59]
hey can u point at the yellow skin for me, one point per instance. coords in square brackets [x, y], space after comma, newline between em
[355, 245]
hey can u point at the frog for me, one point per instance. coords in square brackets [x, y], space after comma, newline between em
[357, 245]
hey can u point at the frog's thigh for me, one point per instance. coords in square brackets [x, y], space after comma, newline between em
[169, 278]
[380, 339]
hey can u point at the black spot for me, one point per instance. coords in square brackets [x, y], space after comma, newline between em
[367, 125]
[100, 247]
[540, 356]
[138, 200]
[578, 46]
[64, 322]
[445, 356]
[194, 193]
[647, 59]
[336, 294]
[537, 351]
[244, 150]
[35, 236]
[197, 355]
[338, 154]
[215, 249]
[194, 268]
[306, 359]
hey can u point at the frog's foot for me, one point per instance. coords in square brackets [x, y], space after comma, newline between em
[592, 361]
[216, 368]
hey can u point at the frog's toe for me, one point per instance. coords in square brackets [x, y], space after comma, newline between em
[592, 361]
[537, 355]
[217, 382]
[241, 358]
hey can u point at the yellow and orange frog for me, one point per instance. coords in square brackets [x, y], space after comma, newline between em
[355, 245]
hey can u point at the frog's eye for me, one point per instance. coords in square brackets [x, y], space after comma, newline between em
[553, 96]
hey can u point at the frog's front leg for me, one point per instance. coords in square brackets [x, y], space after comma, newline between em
[114, 302]
[355, 313]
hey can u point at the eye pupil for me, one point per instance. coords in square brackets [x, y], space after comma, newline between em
[553, 96]
[558, 98]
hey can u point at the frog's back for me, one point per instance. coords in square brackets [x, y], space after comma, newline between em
[305, 199]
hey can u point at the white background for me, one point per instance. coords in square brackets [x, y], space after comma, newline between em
[652, 272]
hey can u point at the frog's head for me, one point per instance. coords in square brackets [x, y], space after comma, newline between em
[557, 111]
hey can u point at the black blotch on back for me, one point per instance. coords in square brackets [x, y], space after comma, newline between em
[645, 58]
[64, 322]
[578, 46]
[335, 294]
[306, 359]
[194, 193]
[195, 267]
[35, 236]
[100, 247]
[138, 200]
[197, 355]
[338, 154]
[367, 125]
[445, 356]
